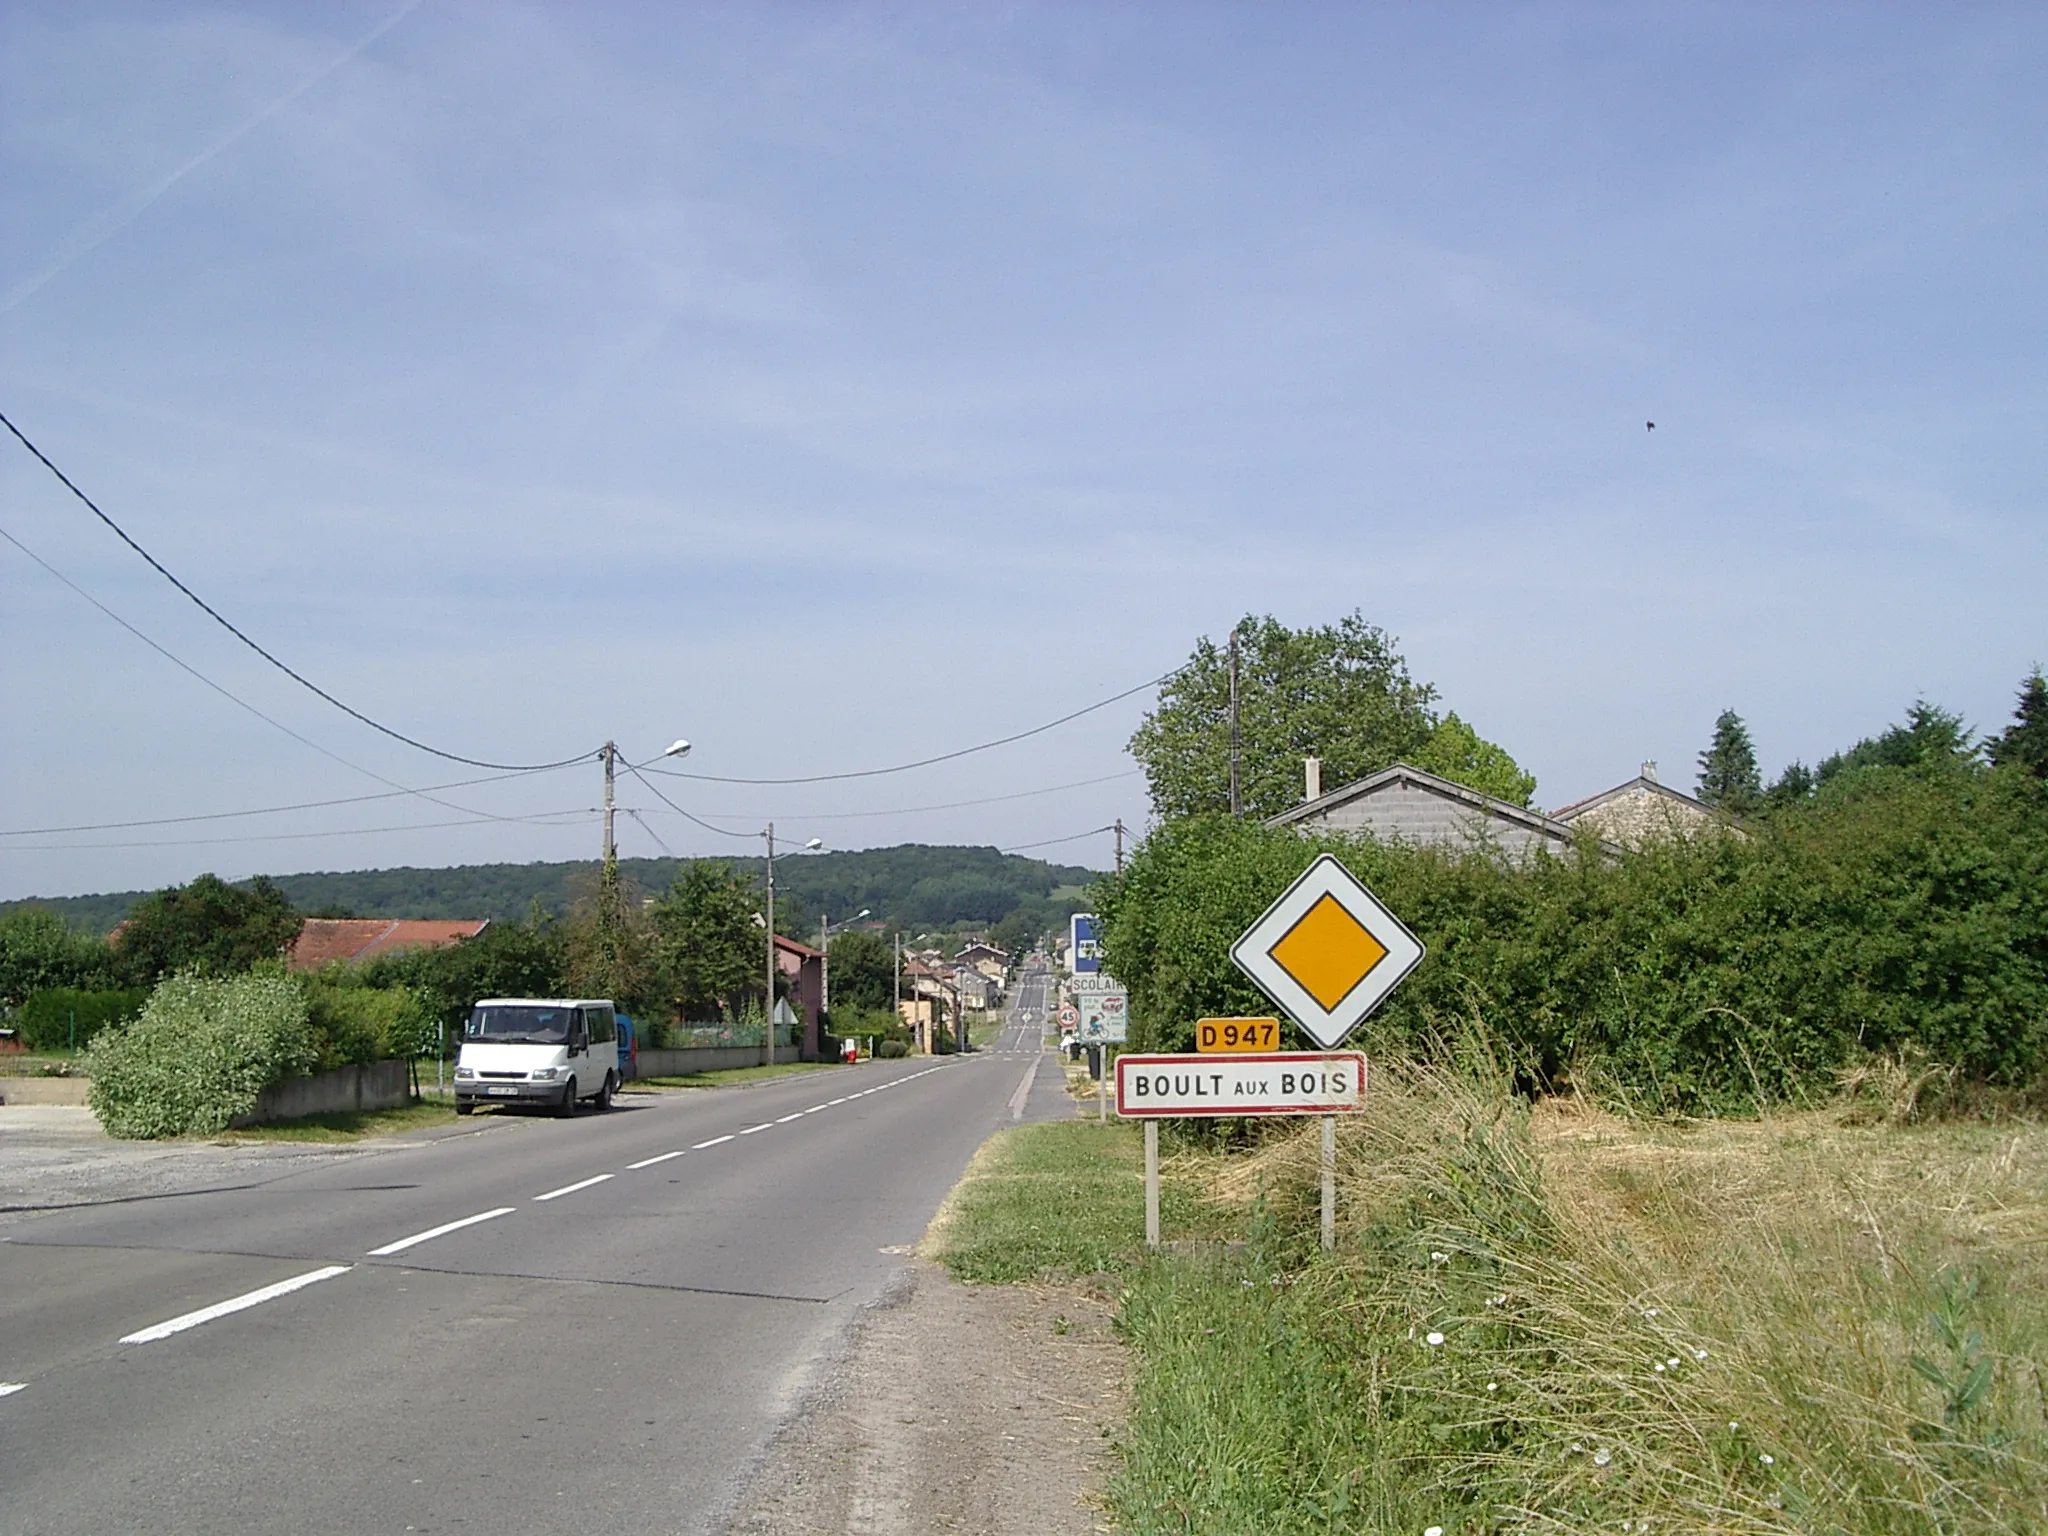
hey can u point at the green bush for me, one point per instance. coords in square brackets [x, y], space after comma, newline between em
[892, 1050]
[53, 1019]
[354, 1024]
[200, 1054]
[1903, 912]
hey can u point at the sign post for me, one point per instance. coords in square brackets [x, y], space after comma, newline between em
[1328, 953]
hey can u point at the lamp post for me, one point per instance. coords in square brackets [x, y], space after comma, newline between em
[825, 931]
[768, 1022]
[608, 875]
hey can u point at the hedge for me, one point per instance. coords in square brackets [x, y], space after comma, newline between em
[1904, 913]
[59, 1017]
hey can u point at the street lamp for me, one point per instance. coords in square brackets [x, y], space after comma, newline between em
[825, 931]
[610, 753]
[768, 1022]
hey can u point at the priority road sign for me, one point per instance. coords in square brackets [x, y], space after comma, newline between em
[1275, 1083]
[1327, 952]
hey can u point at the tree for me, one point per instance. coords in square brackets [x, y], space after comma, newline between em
[508, 959]
[862, 973]
[38, 952]
[1728, 777]
[2024, 743]
[609, 944]
[1456, 752]
[1930, 737]
[1341, 693]
[709, 951]
[1792, 787]
[208, 926]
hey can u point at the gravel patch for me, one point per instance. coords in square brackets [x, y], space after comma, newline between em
[56, 1156]
[983, 1409]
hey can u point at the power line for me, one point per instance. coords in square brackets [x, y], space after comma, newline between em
[213, 613]
[1070, 838]
[923, 762]
[950, 805]
[242, 703]
[655, 790]
[546, 818]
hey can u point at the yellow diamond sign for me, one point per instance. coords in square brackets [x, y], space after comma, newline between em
[1327, 951]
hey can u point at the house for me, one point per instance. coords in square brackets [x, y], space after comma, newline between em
[326, 940]
[987, 959]
[975, 989]
[1407, 805]
[801, 970]
[1641, 811]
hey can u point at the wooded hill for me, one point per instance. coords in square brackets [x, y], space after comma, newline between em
[912, 885]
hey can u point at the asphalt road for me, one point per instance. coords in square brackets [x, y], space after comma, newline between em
[636, 1302]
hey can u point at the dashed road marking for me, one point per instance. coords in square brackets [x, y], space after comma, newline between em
[714, 1141]
[765, 1125]
[441, 1231]
[9, 1388]
[235, 1304]
[649, 1162]
[570, 1189]
[787, 1118]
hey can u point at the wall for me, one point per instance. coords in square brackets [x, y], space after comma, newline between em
[706, 1058]
[380, 1085]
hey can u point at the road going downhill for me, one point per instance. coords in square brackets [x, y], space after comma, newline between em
[536, 1325]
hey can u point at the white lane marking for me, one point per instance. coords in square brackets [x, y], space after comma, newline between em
[714, 1141]
[1023, 1091]
[787, 1118]
[839, 1101]
[816, 1107]
[765, 1125]
[9, 1388]
[570, 1189]
[441, 1231]
[235, 1304]
[649, 1162]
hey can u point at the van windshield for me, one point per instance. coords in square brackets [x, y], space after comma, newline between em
[519, 1026]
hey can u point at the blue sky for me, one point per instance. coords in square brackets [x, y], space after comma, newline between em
[836, 385]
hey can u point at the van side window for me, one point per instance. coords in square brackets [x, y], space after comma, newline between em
[602, 1028]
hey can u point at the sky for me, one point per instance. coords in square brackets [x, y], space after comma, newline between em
[837, 386]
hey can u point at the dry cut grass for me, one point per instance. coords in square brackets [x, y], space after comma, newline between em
[1560, 1320]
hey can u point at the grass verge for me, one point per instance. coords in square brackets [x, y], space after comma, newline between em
[733, 1076]
[347, 1125]
[1556, 1321]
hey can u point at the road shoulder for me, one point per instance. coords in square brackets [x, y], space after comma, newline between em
[955, 1407]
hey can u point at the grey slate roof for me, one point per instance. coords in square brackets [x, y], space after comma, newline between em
[1407, 804]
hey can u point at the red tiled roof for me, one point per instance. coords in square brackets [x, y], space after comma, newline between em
[790, 946]
[326, 939]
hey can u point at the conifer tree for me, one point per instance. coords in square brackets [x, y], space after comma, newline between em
[1728, 774]
[2024, 743]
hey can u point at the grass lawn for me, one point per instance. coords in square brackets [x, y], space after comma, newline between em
[347, 1125]
[1557, 1320]
[734, 1076]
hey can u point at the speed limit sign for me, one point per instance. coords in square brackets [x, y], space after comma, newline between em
[1069, 1016]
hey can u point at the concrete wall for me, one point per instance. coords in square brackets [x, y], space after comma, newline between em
[706, 1058]
[380, 1085]
[43, 1090]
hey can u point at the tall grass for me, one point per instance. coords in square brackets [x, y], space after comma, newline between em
[1553, 1321]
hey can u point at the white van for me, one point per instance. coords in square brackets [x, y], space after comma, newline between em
[538, 1050]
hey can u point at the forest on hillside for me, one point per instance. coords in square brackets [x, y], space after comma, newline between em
[912, 885]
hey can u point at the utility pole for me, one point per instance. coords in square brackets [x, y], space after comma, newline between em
[608, 880]
[896, 976]
[1236, 735]
[1119, 845]
[610, 753]
[768, 1008]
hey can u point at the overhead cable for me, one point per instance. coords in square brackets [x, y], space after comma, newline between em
[242, 703]
[923, 762]
[1071, 838]
[213, 613]
[543, 819]
[949, 805]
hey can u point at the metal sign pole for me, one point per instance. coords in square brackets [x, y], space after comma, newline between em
[1329, 1182]
[1151, 1183]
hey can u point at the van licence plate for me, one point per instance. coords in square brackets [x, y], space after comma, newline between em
[502, 1090]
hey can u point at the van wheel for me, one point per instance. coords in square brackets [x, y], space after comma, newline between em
[603, 1101]
[567, 1107]
[464, 1107]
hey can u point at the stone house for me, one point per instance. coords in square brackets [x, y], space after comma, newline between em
[1641, 811]
[1408, 805]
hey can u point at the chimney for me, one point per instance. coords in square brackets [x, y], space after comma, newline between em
[1650, 770]
[1312, 777]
